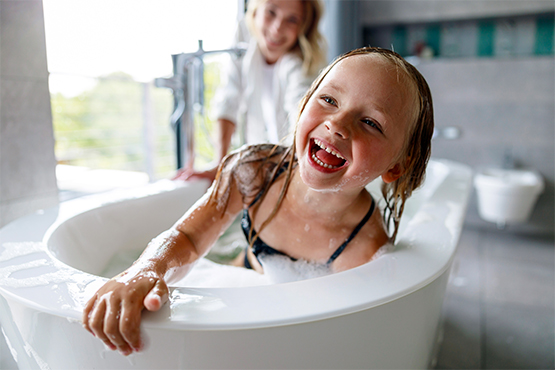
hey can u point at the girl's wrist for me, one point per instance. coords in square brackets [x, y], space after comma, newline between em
[135, 273]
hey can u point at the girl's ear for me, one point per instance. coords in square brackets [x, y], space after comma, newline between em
[393, 173]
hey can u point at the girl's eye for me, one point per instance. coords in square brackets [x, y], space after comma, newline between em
[329, 100]
[371, 123]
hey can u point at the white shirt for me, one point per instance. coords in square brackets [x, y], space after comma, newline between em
[239, 98]
[267, 103]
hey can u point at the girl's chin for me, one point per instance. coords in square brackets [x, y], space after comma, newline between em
[315, 179]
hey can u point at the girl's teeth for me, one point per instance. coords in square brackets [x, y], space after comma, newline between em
[322, 163]
[321, 145]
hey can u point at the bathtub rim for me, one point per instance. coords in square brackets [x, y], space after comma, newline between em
[160, 319]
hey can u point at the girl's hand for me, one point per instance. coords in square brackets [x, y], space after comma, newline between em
[113, 314]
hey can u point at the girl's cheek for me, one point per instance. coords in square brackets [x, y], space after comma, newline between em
[300, 142]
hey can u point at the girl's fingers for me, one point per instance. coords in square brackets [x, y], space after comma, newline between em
[86, 312]
[112, 328]
[129, 326]
[114, 313]
[96, 323]
[105, 322]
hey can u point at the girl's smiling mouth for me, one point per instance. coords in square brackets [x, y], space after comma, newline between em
[325, 158]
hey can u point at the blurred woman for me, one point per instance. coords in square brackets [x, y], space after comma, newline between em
[262, 89]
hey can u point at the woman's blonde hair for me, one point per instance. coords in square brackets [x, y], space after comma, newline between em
[311, 45]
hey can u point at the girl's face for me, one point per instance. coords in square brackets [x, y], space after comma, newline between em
[278, 23]
[354, 126]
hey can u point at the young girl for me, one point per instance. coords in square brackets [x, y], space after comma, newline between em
[368, 115]
[262, 89]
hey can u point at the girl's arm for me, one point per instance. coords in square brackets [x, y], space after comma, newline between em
[113, 314]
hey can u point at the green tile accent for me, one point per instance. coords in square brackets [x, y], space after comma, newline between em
[486, 38]
[544, 36]
[399, 40]
[433, 38]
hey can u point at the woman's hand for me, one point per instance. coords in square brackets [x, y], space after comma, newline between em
[225, 133]
[186, 174]
[113, 314]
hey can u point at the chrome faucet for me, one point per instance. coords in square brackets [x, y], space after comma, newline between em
[187, 85]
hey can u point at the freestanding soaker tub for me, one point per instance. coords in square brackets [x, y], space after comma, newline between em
[384, 314]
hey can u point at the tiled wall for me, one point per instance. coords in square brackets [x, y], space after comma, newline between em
[385, 12]
[492, 37]
[27, 162]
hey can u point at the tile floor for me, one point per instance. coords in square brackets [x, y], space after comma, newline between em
[499, 307]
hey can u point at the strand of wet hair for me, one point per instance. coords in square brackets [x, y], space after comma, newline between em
[283, 190]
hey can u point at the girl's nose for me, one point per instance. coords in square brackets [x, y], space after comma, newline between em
[338, 126]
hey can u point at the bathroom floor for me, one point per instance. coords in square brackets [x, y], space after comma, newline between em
[500, 303]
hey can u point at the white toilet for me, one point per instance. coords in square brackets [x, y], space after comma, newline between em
[507, 196]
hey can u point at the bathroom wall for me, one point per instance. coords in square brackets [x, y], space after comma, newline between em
[341, 26]
[492, 76]
[27, 162]
[378, 12]
[505, 111]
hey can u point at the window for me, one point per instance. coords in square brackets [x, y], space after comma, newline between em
[103, 56]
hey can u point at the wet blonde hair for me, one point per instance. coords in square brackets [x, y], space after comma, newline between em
[311, 45]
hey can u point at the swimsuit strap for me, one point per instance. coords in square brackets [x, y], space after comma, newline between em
[279, 172]
[353, 234]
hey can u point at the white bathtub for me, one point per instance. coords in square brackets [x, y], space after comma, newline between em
[385, 314]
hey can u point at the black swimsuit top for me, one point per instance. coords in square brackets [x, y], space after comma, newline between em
[261, 248]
